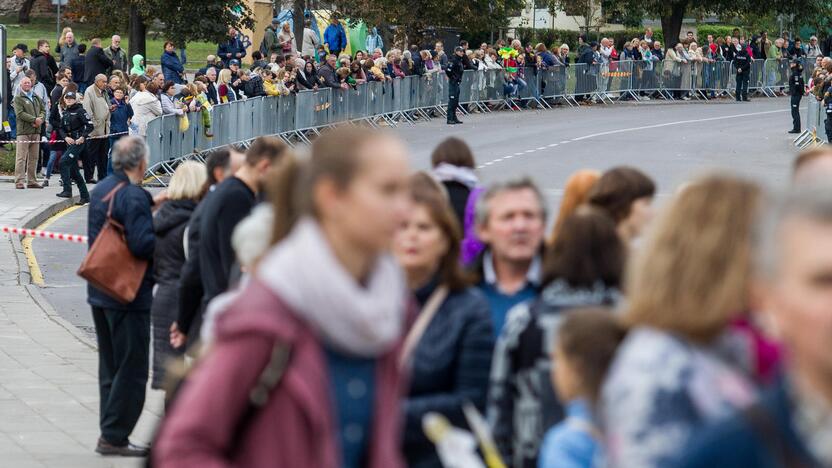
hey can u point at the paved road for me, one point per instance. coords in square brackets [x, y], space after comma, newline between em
[671, 142]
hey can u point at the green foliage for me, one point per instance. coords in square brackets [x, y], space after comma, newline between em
[184, 20]
[703, 30]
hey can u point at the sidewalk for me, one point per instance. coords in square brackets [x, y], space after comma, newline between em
[48, 368]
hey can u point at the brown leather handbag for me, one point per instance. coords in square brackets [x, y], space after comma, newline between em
[109, 264]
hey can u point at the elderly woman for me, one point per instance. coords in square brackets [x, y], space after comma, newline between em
[123, 330]
[450, 359]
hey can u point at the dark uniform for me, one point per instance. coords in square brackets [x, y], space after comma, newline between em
[797, 87]
[827, 106]
[454, 71]
[742, 62]
[75, 123]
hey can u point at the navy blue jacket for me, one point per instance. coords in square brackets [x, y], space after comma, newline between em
[119, 117]
[172, 67]
[231, 46]
[451, 365]
[131, 208]
[738, 442]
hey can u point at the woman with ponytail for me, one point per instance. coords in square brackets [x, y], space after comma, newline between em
[304, 369]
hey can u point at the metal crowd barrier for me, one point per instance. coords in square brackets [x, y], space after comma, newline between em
[390, 102]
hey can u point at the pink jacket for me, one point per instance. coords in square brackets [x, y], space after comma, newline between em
[295, 428]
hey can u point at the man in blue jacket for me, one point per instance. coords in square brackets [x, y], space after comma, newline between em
[172, 67]
[792, 425]
[334, 37]
[123, 330]
[231, 49]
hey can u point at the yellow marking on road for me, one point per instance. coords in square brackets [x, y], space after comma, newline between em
[29, 252]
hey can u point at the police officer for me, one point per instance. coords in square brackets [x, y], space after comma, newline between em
[797, 88]
[76, 126]
[454, 71]
[827, 106]
[742, 62]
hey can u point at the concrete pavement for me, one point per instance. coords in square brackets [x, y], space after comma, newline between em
[48, 368]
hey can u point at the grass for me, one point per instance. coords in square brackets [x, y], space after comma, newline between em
[43, 28]
[7, 160]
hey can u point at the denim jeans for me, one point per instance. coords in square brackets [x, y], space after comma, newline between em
[50, 166]
[113, 140]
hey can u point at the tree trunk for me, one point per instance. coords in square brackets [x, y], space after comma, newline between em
[672, 24]
[298, 7]
[23, 16]
[137, 33]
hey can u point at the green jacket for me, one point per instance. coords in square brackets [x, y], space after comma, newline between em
[26, 111]
[270, 42]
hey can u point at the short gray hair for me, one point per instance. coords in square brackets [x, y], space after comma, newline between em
[129, 152]
[483, 210]
[812, 202]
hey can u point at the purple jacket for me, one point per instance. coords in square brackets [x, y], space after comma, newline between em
[296, 427]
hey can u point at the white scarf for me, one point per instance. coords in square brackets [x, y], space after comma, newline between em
[464, 175]
[365, 321]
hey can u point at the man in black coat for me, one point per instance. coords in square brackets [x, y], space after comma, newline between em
[44, 65]
[77, 67]
[123, 330]
[327, 74]
[95, 63]
[454, 71]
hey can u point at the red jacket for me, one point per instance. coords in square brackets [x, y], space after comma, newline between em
[295, 428]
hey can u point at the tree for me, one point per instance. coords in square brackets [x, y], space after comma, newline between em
[417, 17]
[592, 15]
[184, 20]
[23, 15]
[672, 12]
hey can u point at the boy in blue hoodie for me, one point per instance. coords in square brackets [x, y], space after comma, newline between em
[586, 344]
[120, 115]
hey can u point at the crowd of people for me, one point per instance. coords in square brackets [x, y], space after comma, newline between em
[329, 309]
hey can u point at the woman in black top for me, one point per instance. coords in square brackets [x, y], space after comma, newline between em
[74, 129]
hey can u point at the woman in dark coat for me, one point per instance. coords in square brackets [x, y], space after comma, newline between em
[450, 361]
[169, 224]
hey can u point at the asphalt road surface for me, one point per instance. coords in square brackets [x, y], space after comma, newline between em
[670, 141]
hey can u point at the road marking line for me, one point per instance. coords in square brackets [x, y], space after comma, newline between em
[530, 151]
[29, 252]
[519, 154]
[564, 142]
[541, 148]
[553, 145]
[680, 122]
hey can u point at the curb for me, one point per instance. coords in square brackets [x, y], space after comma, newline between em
[24, 278]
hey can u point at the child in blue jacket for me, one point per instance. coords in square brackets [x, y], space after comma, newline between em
[120, 114]
[585, 346]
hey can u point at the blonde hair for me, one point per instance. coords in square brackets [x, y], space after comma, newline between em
[187, 181]
[575, 194]
[224, 77]
[692, 276]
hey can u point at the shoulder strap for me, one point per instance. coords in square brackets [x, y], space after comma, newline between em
[111, 196]
[418, 329]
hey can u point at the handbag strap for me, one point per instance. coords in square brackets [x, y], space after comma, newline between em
[418, 329]
[111, 196]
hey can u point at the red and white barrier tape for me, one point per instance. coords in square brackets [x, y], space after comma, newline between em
[78, 239]
[3, 142]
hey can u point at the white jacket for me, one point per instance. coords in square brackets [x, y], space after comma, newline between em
[310, 42]
[146, 107]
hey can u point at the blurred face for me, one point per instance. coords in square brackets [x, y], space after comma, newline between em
[374, 206]
[331, 61]
[44, 48]
[63, 82]
[657, 45]
[211, 73]
[690, 35]
[69, 101]
[710, 37]
[171, 91]
[420, 244]
[159, 79]
[232, 33]
[115, 82]
[18, 53]
[118, 94]
[359, 55]
[641, 213]
[169, 48]
[800, 297]
[101, 83]
[116, 41]
[564, 378]
[514, 229]
[68, 73]
[70, 38]
[26, 84]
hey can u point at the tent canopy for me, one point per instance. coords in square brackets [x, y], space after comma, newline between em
[356, 36]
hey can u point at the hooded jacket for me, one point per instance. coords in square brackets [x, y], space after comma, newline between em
[138, 66]
[169, 225]
[172, 67]
[45, 67]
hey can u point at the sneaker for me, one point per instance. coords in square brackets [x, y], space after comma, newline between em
[645, 98]
[63, 195]
[46, 183]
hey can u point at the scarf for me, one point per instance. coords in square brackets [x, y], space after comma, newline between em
[364, 321]
[464, 175]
